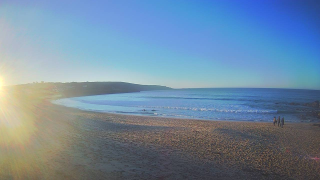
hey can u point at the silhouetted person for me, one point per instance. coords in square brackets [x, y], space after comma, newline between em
[282, 122]
[278, 121]
[274, 121]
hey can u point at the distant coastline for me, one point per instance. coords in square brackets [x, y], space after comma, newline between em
[56, 90]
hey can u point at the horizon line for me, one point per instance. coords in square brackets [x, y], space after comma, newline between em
[40, 82]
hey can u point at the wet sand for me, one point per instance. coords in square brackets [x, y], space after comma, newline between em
[64, 143]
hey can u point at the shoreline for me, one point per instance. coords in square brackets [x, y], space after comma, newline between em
[138, 115]
[247, 148]
[255, 132]
[249, 110]
[69, 143]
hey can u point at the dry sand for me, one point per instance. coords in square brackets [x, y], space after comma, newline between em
[64, 143]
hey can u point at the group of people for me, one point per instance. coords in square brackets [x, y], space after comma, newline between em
[279, 122]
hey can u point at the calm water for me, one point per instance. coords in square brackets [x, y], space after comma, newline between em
[210, 104]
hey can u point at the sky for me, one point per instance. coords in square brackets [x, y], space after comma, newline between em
[180, 43]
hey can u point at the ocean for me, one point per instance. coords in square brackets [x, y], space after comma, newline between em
[229, 104]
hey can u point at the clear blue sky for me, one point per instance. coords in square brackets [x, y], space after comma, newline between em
[180, 43]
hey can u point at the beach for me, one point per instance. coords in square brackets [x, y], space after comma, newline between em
[159, 90]
[56, 142]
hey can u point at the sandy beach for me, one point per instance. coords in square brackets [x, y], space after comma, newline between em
[55, 142]
[159, 90]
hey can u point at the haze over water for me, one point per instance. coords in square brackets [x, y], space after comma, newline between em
[210, 104]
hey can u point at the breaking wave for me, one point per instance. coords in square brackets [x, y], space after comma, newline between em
[213, 109]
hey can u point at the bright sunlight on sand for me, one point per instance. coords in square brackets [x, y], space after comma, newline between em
[1, 83]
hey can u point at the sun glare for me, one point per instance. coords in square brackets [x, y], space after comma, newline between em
[2, 90]
[1, 83]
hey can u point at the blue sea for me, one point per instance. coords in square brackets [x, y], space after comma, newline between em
[230, 104]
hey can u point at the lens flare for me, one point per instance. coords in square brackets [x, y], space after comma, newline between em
[30, 142]
[1, 84]
[16, 124]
